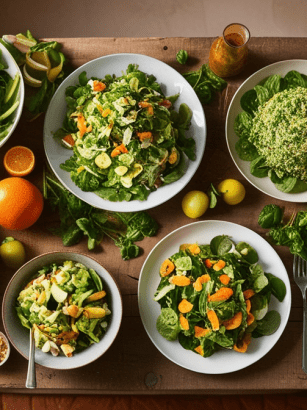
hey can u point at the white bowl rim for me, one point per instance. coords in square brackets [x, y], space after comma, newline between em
[7, 55]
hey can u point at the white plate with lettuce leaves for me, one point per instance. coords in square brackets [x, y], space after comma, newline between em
[214, 297]
[265, 130]
[125, 132]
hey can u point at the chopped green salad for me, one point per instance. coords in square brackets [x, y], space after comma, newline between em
[272, 131]
[9, 101]
[126, 137]
[216, 296]
[66, 306]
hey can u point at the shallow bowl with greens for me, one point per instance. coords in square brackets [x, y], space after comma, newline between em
[12, 91]
[193, 292]
[125, 132]
[72, 304]
[265, 130]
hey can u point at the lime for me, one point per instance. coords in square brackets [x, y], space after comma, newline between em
[195, 204]
[233, 192]
[12, 253]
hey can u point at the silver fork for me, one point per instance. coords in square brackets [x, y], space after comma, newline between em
[300, 277]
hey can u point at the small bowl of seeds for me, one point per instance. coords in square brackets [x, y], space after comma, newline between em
[4, 349]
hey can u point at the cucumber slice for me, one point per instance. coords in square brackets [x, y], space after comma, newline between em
[58, 294]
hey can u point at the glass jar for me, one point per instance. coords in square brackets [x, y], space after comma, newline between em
[228, 54]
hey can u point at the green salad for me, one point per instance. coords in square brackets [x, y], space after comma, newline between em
[126, 137]
[216, 296]
[272, 131]
[66, 306]
[9, 101]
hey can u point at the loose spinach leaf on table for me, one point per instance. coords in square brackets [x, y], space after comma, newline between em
[205, 83]
[79, 219]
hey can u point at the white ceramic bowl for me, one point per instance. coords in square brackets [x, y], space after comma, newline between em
[171, 83]
[19, 335]
[265, 185]
[223, 361]
[12, 70]
[2, 336]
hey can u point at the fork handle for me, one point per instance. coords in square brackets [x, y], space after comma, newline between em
[304, 365]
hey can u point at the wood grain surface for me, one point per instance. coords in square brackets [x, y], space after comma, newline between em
[133, 365]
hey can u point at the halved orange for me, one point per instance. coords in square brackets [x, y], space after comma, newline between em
[19, 161]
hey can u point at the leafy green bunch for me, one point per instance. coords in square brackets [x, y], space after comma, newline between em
[205, 83]
[79, 219]
[292, 233]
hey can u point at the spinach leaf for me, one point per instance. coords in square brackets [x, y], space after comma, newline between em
[246, 150]
[243, 124]
[247, 252]
[168, 324]
[270, 216]
[220, 245]
[268, 325]
[284, 184]
[277, 286]
[249, 102]
[182, 56]
[273, 84]
[259, 168]
[293, 79]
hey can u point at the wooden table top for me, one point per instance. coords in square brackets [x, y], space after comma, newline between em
[133, 365]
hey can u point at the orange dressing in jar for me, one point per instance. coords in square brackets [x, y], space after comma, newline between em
[228, 54]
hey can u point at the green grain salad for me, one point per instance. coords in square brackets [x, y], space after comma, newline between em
[9, 101]
[66, 306]
[126, 137]
[272, 130]
[216, 296]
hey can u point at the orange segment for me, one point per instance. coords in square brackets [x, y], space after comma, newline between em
[19, 161]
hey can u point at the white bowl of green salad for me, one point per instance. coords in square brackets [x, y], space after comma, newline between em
[266, 130]
[12, 91]
[125, 132]
[71, 304]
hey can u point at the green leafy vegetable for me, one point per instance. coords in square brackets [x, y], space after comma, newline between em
[9, 100]
[270, 216]
[168, 324]
[79, 219]
[182, 56]
[291, 233]
[206, 313]
[205, 83]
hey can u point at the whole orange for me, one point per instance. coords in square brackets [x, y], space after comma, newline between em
[21, 203]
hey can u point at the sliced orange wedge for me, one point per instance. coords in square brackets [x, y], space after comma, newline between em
[19, 161]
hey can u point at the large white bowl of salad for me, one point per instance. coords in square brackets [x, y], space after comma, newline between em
[70, 303]
[214, 297]
[12, 91]
[125, 132]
